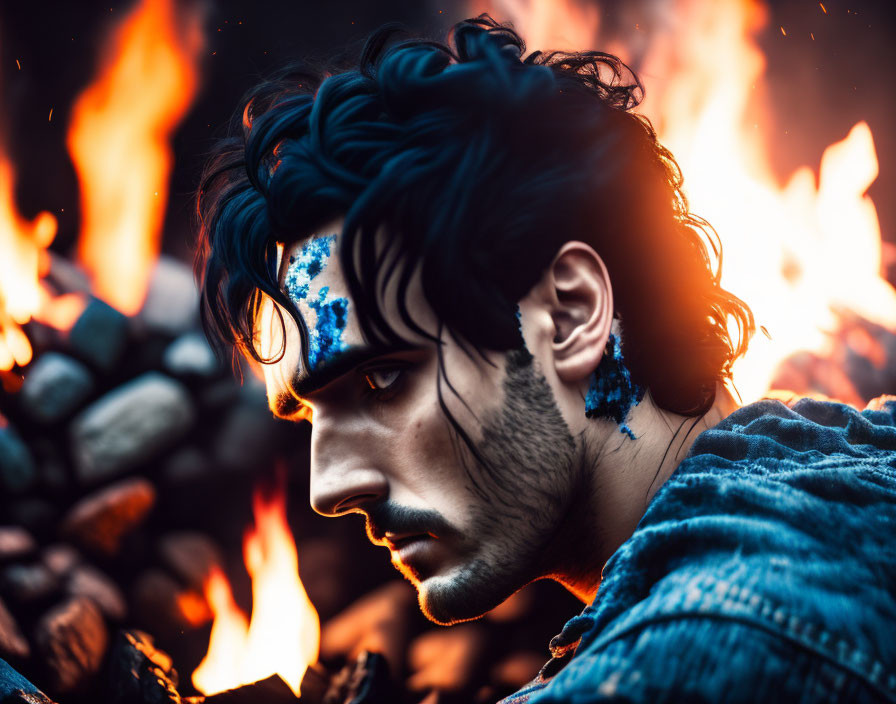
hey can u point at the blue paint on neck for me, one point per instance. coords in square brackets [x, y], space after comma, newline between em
[612, 393]
[325, 339]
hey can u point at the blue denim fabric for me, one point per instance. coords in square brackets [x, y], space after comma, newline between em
[763, 570]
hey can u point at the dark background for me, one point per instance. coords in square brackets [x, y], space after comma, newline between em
[818, 89]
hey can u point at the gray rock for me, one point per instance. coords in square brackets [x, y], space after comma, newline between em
[130, 425]
[60, 559]
[99, 335]
[100, 521]
[191, 556]
[190, 355]
[23, 584]
[35, 514]
[90, 582]
[12, 642]
[17, 469]
[71, 640]
[172, 302]
[250, 435]
[162, 604]
[185, 467]
[55, 385]
[15, 543]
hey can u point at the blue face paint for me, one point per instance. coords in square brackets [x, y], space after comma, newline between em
[325, 339]
[612, 393]
[306, 265]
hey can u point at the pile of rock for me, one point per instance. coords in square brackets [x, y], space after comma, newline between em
[120, 429]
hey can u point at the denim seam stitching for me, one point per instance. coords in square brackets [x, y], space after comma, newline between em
[604, 641]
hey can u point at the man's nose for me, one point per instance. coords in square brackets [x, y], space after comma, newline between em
[342, 477]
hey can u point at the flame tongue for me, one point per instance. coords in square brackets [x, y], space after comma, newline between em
[23, 246]
[800, 255]
[118, 140]
[283, 635]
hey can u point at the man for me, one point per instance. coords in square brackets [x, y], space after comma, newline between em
[479, 274]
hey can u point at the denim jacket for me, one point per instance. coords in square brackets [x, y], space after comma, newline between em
[764, 570]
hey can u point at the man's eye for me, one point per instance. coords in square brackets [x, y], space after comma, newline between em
[381, 379]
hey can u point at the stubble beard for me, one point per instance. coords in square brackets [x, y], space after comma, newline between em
[522, 492]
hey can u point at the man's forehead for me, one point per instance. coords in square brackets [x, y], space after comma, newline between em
[313, 279]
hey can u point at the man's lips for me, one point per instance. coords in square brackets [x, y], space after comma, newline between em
[396, 541]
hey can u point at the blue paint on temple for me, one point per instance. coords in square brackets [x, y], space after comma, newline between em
[308, 264]
[326, 338]
[612, 393]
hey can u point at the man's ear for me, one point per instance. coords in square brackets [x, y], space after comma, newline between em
[581, 304]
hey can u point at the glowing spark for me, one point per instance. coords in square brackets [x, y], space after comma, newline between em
[51, 115]
[18, 64]
[783, 32]
[821, 5]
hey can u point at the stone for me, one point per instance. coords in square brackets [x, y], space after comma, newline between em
[17, 469]
[378, 622]
[172, 301]
[446, 659]
[89, 582]
[12, 642]
[24, 584]
[15, 543]
[191, 556]
[130, 425]
[101, 520]
[162, 604]
[99, 335]
[60, 559]
[190, 356]
[185, 467]
[71, 640]
[140, 673]
[37, 515]
[55, 386]
[249, 436]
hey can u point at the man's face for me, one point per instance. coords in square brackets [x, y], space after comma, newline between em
[467, 524]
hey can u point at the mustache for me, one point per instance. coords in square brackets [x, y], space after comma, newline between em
[389, 517]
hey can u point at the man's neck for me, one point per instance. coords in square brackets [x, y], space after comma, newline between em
[627, 474]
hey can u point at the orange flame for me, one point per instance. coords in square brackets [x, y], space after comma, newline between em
[800, 255]
[119, 142]
[283, 636]
[24, 260]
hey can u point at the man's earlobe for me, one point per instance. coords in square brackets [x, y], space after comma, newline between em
[581, 301]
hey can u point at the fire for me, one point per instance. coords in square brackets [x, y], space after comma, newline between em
[24, 261]
[119, 143]
[283, 635]
[803, 255]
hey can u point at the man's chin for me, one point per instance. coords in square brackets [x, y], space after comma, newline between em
[464, 594]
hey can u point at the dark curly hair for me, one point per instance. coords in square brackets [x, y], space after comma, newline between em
[480, 164]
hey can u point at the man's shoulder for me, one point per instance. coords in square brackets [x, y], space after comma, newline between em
[773, 538]
[699, 658]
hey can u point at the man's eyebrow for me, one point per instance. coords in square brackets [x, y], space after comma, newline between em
[288, 402]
